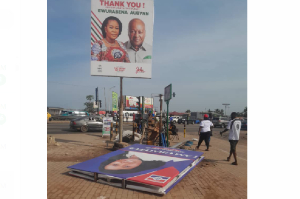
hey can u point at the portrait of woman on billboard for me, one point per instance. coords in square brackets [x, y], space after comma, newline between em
[109, 49]
[134, 162]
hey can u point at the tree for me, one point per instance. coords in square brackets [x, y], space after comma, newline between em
[89, 106]
[245, 112]
[222, 112]
[188, 111]
[89, 97]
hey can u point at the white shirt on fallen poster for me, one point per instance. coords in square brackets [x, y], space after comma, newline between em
[205, 124]
[234, 132]
[153, 157]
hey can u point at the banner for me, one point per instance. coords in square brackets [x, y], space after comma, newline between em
[148, 102]
[122, 38]
[132, 103]
[114, 101]
[106, 125]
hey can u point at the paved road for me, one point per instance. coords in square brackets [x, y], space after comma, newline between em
[63, 128]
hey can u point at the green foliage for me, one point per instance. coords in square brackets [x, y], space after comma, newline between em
[89, 97]
[89, 106]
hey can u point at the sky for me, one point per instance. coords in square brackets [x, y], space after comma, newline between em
[199, 46]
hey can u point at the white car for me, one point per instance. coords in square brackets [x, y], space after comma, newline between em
[176, 118]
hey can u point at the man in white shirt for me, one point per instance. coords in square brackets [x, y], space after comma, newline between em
[234, 127]
[138, 51]
[204, 131]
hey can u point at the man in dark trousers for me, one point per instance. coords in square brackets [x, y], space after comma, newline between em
[234, 127]
[204, 131]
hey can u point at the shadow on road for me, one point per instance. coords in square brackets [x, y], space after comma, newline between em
[66, 141]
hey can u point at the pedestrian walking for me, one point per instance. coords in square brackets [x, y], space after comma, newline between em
[234, 127]
[204, 131]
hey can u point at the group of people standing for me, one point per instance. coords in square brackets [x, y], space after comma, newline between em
[234, 127]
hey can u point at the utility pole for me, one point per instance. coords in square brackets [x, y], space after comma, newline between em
[105, 99]
[121, 111]
[97, 100]
[160, 119]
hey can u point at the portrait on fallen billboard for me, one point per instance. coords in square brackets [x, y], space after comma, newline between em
[143, 167]
[122, 38]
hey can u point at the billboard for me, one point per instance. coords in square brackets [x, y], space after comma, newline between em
[114, 101]
[140, 167]
[148, 103]
[122, 38]
[168, 93]
[106, 125]
[132, 103]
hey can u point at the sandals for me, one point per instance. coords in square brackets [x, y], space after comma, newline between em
[206, 149]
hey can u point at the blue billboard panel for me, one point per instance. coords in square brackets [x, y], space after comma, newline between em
[143, 164]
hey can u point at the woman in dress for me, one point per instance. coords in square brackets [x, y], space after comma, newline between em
[109, 49]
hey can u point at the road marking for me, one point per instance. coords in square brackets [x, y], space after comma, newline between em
[237, 157]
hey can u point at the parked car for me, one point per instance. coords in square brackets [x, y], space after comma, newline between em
[176, 118]
[190, 121]
[244, 125]
[220, 121]
[87, 123]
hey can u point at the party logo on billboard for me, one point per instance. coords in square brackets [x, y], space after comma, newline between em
[119, 69]
[157, 178]
[139, 70]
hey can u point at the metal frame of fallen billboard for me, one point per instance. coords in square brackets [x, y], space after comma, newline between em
[177, 164]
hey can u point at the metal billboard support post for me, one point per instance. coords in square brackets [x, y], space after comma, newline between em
[121, 111]
[160, 119]
[167, 123]
[168, 97]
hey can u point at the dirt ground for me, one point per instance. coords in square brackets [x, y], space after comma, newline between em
[212, 178]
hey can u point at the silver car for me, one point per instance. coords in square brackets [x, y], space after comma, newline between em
[87, 123]
[220, 121]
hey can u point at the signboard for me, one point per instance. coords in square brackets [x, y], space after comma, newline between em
[122, 38]
[148, 102]
[114, 101]
[143, 167]
[102, 112]
[106, 125]
[168, 93]
[132, 103]
[95, 105]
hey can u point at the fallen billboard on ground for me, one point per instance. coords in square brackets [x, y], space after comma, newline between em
[140, 167]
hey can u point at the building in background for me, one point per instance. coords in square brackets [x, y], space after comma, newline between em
[54, 110]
